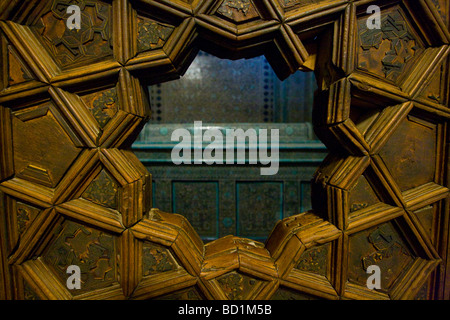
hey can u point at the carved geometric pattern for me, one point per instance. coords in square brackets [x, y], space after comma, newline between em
[17, 71]
[236, 285]
[31, 161]
[92, 250]
[410, 153]
[25, 216]
[442, 6]
[71, 46]
[423, 293]
[199, 201]
[102, 190]
[315, 260]
[152, 34]
[284, 293]
[387, 51]
[156, 259]
[370, 111]
[290, 2]
[382, 247]
[238, 10]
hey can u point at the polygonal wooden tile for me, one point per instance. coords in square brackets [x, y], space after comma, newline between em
[411, 154]
[110, 195]
[64, 52]
[114, 115]
[69, 243]
[17, 73]
[305, 249]
[178, 260]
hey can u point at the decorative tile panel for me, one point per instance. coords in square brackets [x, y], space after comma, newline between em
[315, 260]
[248, 91]
[199, 203]
[387, 52]
[52, 152]
[92, 250]
[238, 10]
[103, 190]
[103, 105]
[237, 286]
[71, 47]
[381, 246]
[156, 259]
[151, 34]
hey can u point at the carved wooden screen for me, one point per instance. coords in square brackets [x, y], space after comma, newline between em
[219, 200]
[72, 102]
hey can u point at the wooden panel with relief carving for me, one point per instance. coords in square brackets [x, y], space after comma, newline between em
[74, 47]
[390, 51]
[73, 193]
